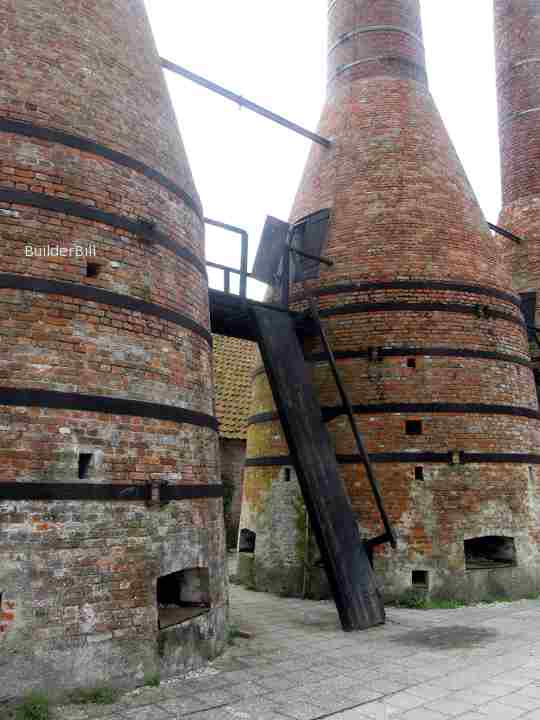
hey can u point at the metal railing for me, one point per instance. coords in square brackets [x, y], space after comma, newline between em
[242, 271]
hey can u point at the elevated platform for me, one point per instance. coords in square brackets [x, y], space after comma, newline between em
[230, 316]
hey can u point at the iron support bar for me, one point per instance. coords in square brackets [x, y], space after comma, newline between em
[143, 229]
[505, 233]
[50, 135]
[55, 400]
[312, 257]
[236, 271]
[411, 458]
[376, 541]
[286, 276]
[209, 85]
[358, 438]
[364, 286]
[243, 272]
[157, 493]
[90, 293]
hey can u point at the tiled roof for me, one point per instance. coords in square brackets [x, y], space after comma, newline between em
[234, 363]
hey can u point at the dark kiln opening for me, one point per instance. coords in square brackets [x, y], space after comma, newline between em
[182, 595]
[247, 541]
[489, 552]
[85, 460]
[420, 578]
[413, 427]
[92, 270]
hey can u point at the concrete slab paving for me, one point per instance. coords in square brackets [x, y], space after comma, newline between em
[467, 663]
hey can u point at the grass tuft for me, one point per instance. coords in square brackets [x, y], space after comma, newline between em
[35, 706]
[233, 632]
[418, 600]
[152, 680]
[95, 696]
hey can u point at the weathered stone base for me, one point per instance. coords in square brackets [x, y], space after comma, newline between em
[468, 586]
[99, 661]
[395, 581]
[80, 596]
[287, 581]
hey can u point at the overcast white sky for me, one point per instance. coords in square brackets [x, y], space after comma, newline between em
[273, 53]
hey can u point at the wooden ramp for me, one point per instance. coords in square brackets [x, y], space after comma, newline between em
[349, 571]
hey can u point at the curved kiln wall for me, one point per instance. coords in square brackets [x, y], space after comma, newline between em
[517, 35]
[90, 155]
[418, 278]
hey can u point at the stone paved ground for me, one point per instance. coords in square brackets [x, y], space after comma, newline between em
[470, 663]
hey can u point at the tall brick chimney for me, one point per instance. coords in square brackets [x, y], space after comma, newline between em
[429, 336]
[517, 38]
[105, 360]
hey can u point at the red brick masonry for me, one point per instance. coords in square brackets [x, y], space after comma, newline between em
[91, 157]
[416, 270]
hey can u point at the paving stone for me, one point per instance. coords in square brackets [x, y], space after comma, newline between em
[362, 696]
[151, 712]
[182, 706]
[405, 701]
[428, 691]
[449, 706]
[300, 710]
[71, 713]
[520, 700]
[497, 711]
[362, 678]
[279, 682]
[422, 714]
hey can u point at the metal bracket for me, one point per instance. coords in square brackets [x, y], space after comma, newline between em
[380, 540]
[505, 233]
[154, 494]
[483, 311]
[317, 258]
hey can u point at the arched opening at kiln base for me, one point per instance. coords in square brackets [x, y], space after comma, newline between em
[488, 552]
[182, 596]
[247, 541]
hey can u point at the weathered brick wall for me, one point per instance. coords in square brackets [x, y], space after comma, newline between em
[233, 457]
[85, 119]
[517, 34]
[418, 277]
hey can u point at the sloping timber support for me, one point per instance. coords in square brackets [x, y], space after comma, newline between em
[358, 600]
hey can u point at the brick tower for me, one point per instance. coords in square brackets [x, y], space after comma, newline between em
[429, 337]
[105, 361]
[517, 35]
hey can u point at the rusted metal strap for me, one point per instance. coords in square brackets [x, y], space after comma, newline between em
[59, 137]
[144, 229]
[330, 413]
[435, 458]
[151, 493]
[103, 297]
[30, 397]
